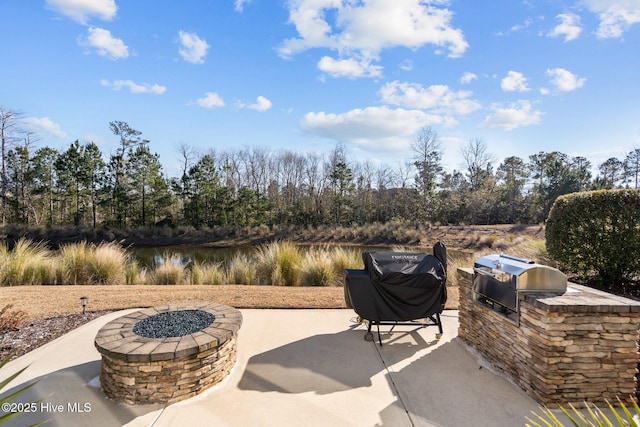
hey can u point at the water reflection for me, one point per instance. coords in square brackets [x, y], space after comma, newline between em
[184, 255]
[151, 257]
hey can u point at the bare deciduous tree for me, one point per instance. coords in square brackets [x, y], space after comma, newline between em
[477, 161]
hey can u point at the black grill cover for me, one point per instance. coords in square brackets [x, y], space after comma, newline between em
[398, 286]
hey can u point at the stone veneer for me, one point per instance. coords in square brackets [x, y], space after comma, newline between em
[141, 370]
[581, 346]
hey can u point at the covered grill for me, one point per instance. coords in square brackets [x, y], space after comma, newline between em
[500, 281]
[394, 288]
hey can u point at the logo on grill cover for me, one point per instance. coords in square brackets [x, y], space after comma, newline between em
[405, 257]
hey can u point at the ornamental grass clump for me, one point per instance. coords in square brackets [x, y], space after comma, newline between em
[241, 271]
[47, 271]
[279, 264]
[170, 271]
[133, 274]
[207, 274]
[108, 264]
[87, 264]
[317, 269]
[325, 266]
[343, 258]
[22, 264]
[76, 258]
[196, 274]
[594, 417]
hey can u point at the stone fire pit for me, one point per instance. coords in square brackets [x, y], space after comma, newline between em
[169, 353]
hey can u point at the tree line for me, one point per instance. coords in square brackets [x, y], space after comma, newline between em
[255, 185]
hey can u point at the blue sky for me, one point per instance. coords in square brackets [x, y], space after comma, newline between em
[524, 76]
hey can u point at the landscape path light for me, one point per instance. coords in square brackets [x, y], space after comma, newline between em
[83, 301]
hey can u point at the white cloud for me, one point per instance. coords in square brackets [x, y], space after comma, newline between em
[515, 115]
[468, 78]
[514, 82]
[564, 80]
[210, 100]
[262, 104]
[44, 125]
[439, 98]
[351, 68]
[570, 27]
[373, 127]
[616, 16]
[239, 5]
[407, 65]
[81, 10]
[193, 49]
[363, 29]
[134, 87]
[526, 24]
[105, 44]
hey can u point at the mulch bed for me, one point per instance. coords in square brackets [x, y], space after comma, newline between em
[34, 334]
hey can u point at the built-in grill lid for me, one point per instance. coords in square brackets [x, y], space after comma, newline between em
[528, 275]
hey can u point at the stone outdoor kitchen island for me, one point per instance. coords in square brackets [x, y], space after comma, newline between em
[576, 347]
[169, 353]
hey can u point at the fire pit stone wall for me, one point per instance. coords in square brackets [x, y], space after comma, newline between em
[581, 346]
[145, 370]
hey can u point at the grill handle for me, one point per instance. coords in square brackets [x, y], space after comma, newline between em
[483, 272]
[515, 258]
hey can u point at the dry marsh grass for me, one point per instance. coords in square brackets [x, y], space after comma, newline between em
[24, 264]
[343, 258]
[207, 274]
[170, 271]
[279, 264]
[241, 271]
[318, 269]
[319, 276]
[275, 264]
[108, 264]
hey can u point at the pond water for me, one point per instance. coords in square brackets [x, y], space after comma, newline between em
[151, 257]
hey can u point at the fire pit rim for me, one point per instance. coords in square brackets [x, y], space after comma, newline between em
[117, 340]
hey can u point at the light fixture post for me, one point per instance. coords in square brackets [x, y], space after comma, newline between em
[83, 301]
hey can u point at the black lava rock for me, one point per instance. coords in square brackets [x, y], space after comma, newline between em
[173, 324]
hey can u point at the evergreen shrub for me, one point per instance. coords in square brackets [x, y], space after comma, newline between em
[597, 233]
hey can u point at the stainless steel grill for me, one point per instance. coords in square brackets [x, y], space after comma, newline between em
[501, 280]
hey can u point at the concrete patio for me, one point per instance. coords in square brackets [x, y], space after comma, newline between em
[294, 368]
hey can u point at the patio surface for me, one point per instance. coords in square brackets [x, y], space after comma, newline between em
[294, 368]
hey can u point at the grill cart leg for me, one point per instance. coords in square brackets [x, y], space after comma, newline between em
[368, 336]
[439, 323]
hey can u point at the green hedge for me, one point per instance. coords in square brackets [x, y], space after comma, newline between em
[597, 232]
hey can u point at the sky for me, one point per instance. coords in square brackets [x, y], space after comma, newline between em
[305, 75]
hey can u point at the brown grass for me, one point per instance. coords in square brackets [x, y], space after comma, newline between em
[45, 301]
